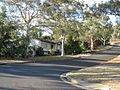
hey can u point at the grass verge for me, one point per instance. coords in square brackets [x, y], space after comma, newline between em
[47, 58]
[34, 59]
[107, 74]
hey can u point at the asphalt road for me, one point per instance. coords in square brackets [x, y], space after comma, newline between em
[46, 75]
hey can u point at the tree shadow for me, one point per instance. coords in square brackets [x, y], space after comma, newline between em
[111, 51]
[50, 71]
[3, 88]
[103, 73]
[36, 72]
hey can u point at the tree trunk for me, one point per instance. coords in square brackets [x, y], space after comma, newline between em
[27, 41]
[92, 43]
[104, 42]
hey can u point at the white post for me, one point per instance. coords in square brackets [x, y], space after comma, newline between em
[62, 49]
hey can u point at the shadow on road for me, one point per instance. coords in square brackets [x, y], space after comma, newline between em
[47, 73]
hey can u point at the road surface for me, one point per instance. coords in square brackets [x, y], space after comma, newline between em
[46, 75]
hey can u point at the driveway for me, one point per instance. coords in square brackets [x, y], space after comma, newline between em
[46, 75]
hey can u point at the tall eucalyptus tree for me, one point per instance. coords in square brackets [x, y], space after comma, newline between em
[112, 7]
[27, 14]
[60, 15]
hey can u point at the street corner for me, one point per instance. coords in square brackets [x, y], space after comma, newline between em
[115, 60]
[82, 83]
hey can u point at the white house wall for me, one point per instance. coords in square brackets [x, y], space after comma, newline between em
[45, 45]
[59, 47]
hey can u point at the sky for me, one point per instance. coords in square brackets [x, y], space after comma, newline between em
[90, 2]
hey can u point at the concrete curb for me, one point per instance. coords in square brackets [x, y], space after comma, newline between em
[83, 84]
[14, 62]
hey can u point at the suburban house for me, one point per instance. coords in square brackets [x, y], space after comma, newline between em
[47, 45]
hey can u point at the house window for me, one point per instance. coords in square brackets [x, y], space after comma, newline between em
[51, 46]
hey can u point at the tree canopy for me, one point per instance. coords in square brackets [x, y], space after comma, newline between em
[79, 23]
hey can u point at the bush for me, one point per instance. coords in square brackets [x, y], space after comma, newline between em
[57, 52]
[10, 50]
[86, 45]
[13, 48]
[39, 51]
[74, 48]
[53, 52]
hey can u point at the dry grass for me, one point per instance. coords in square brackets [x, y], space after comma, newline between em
[107, 74]
[113, 84]
[46, 58]
[34, 59]
[115, 60]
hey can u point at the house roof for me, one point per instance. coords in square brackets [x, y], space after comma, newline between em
[49, 41]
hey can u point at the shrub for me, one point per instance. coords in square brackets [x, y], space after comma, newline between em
[53, 52]
[39, 51]
[57, 52]
[74, 47]
[86, 45]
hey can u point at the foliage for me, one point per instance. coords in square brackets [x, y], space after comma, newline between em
[73, 47]
[61, 16]
[79, 23]
[39, 51]
[7, 37]
[35, 32]
[117, 31]
[54, 52]
[57, 52]
[106, 29]
[28, 17]
[48, 37]
[112, 7]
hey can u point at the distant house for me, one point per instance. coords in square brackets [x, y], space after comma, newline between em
[46, 45]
